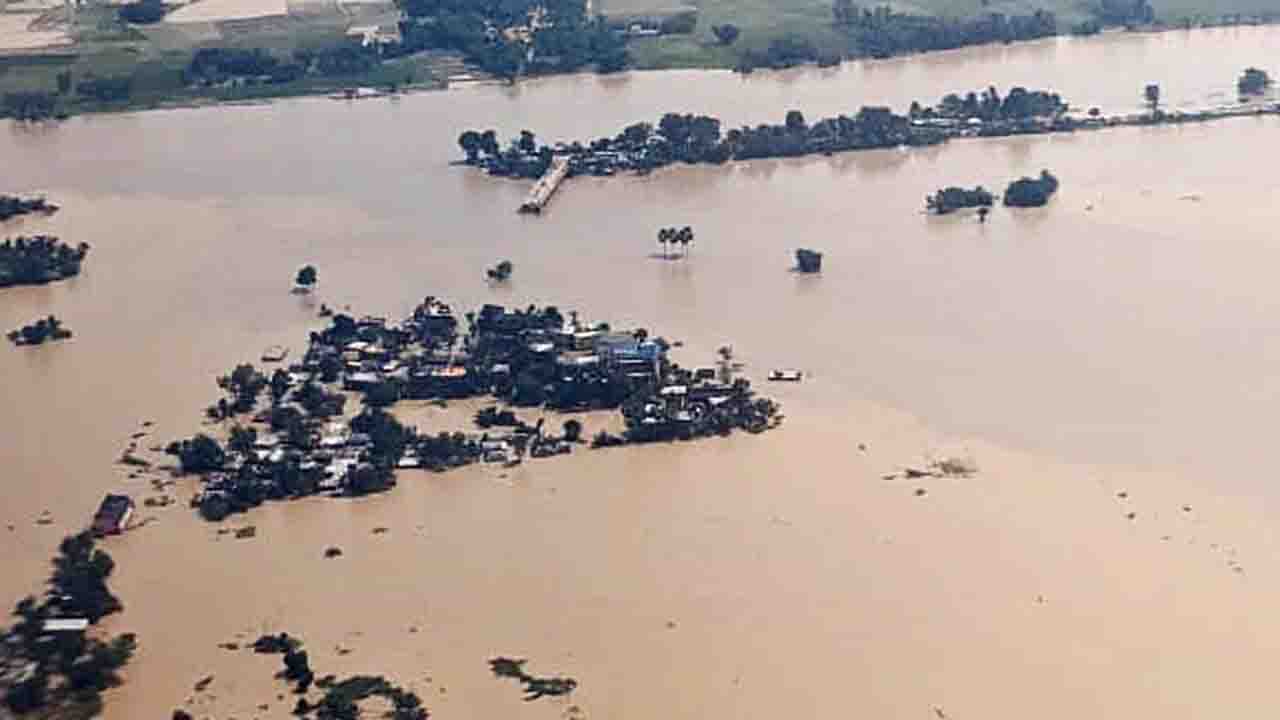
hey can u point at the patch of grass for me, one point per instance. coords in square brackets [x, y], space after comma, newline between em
[762, 21]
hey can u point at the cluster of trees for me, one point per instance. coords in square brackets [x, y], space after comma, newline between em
[1031, 192]
[988, 106]
[522, 158]
[1125, 12]
[808, 261]
[950, 199]
[689, 138]
[143, 12]
[501, 272]
[562, 39]
[63, 674]
[676, 236]
[306, 277]
[12, 206]
[1253, 82]
[784, 52]
[726, 34]
[216, 66]
[882, 32]
[38, 260]
[30, 105]
[105, 89]
[40, 331]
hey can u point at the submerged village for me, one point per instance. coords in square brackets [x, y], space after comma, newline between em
[304, 440]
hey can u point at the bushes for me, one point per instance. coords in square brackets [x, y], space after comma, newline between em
[1031, 192]
[142, 12]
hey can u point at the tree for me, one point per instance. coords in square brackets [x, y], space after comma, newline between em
[1152, 95]
[1031, 192]
[1253, 82]
[982, 213]
[241, 439]
[572, 431]
[684, 236]
[845, 12]
[471, 144]
[142, 12]
[726, 34]
[489, 143]
[527, 142]
[306, 277]
[199, 454]
[664, 239]
[64, 82]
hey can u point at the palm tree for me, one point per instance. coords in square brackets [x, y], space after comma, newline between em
[684, 237]
[664, 237]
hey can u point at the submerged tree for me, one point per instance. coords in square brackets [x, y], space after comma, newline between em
[1253, 82]
[1152, 95]
[500, 272]
[306, 278]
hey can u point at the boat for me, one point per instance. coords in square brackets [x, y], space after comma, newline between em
[786, 376]
[275, 353]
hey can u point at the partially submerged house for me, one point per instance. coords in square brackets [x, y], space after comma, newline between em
[113, 515]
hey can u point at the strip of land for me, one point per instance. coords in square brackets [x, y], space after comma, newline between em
[58, 60]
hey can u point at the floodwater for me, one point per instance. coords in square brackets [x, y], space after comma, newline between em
[1120, 340]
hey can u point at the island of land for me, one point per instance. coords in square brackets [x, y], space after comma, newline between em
[305, 442]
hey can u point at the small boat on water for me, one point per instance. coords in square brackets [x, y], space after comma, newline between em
[786, 376]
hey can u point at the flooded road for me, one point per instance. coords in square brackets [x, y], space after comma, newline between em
[1121, 339]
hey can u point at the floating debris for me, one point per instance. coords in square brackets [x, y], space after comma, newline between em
[332, 552]
[204, 683]
[245, 532]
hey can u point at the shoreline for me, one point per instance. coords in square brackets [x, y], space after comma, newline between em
[324, 87]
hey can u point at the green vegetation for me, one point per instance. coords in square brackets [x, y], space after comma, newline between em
[40, 332]
[12, 206]
[117, 65]
[124, 58]
[39, 260]
[1031, 192]
[61, 674]
[307, 277]
[1253, 82]
[950, 199]
[534, 687]
[501, 272]
[815, 25]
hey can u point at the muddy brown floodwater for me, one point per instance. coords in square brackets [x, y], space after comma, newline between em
[1122, 340]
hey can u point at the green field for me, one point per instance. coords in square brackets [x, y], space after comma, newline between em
[155, 56]
[761, 21]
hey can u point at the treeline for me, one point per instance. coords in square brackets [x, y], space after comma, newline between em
[1019, 104]
[12, 206]
[217, 66]
[881, 32]
[513, 36]
[63, 674]
[689, 138]
[38, 260]
[34, 105]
